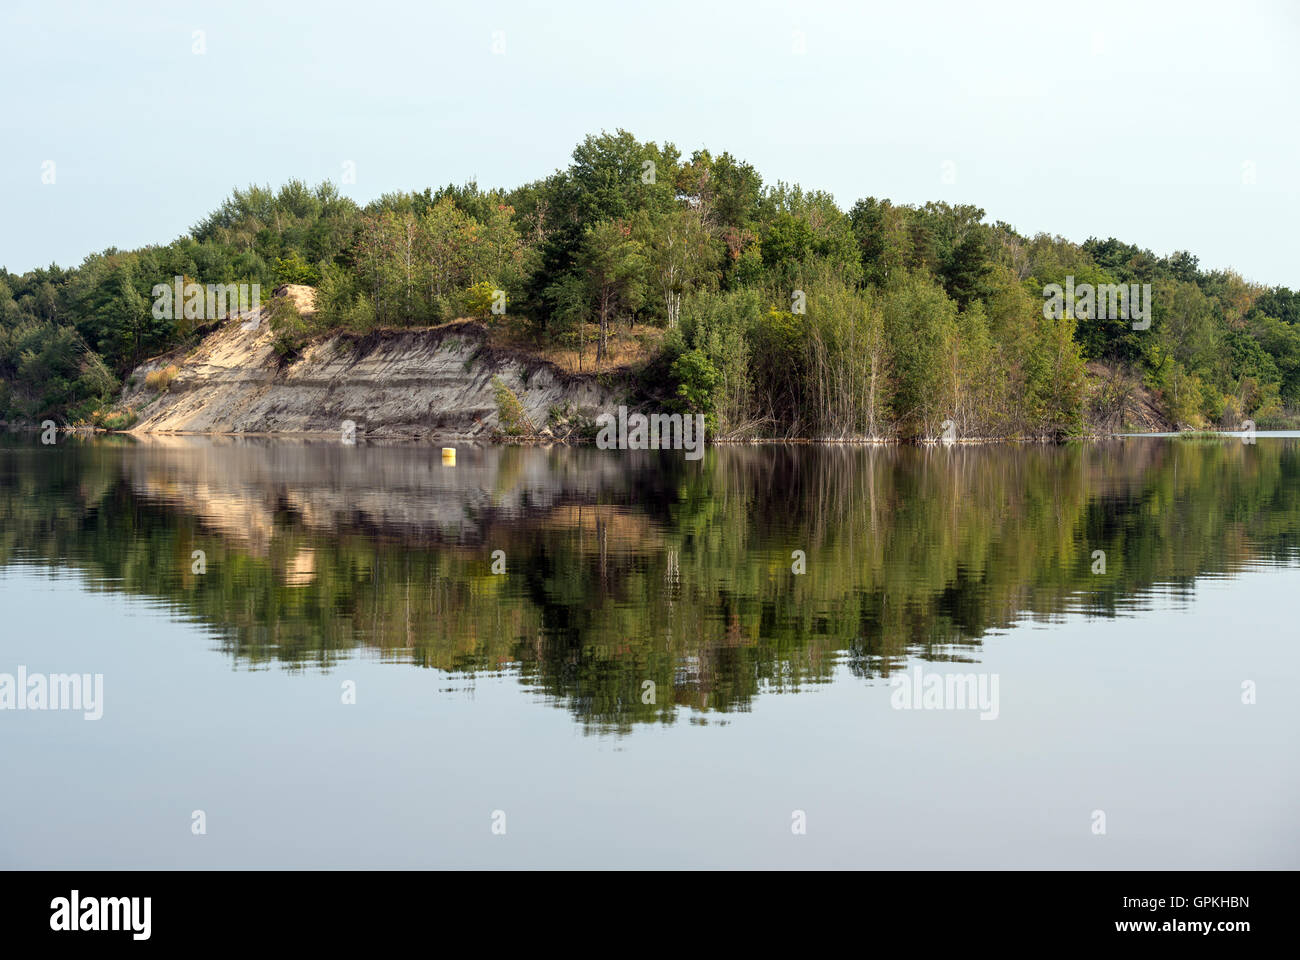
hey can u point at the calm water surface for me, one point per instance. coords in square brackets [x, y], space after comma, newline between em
[649, 682]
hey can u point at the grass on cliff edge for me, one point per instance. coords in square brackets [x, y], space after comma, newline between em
[627, 349]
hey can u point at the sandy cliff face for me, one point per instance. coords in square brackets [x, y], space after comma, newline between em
[398, 384]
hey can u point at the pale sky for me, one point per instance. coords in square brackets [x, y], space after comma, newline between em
[1170, 125]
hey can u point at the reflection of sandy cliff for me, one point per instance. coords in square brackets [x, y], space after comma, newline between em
[301, 570]
[241, 488]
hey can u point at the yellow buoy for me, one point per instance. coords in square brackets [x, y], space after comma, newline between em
[449, 456]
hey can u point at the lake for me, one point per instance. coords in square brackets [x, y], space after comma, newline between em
[320, 655]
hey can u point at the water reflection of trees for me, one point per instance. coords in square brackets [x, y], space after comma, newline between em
[624, 569]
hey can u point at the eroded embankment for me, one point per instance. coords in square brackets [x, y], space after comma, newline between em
[393, 384]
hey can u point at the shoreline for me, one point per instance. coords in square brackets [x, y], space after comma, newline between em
[535, 441]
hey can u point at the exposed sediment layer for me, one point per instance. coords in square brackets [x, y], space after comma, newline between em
[393, 384]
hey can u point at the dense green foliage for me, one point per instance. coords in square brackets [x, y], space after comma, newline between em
[782, 314]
